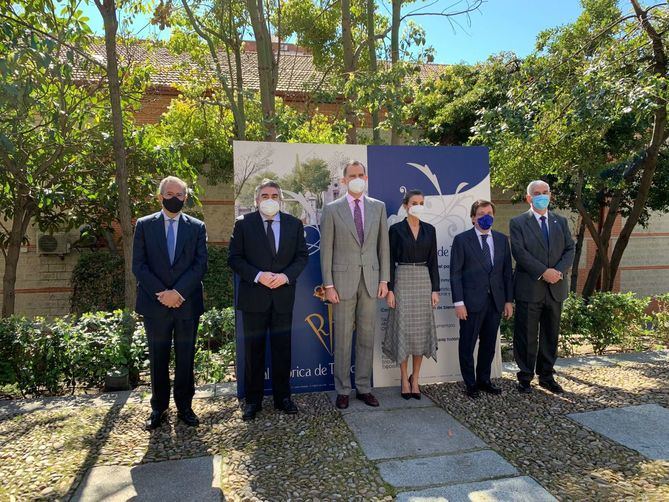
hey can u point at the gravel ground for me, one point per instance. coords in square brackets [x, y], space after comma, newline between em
[311, 456]
[573, 463]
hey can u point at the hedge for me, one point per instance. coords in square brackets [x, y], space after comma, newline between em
[97, 281]
[39, 356]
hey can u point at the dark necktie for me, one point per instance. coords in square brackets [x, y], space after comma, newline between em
[357, 218]
[544, 229]
[486, 251]
[270, 237]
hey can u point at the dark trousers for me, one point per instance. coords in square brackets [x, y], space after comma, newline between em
[535, 338]
[481, 326]
[160, 332]
[256, 326]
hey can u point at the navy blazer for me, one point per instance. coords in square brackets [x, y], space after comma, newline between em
[151, 265]
[250, 253]
[470, 280]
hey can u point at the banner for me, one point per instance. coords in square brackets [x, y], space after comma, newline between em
[451, 178]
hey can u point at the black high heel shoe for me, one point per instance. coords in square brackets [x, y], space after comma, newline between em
[415, 395]
[405, 395]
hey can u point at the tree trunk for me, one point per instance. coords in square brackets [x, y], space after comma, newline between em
[107, 9]
[573, 284]
[266, 66]
[371, 44]
[20, 223]
[349, 69]
[395, 54]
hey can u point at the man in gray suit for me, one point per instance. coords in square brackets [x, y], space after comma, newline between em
[543, 248]
[355, 259]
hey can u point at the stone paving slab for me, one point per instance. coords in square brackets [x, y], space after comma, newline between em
[171, 481]
[446, 469]
[520, 489]
[389, 399]
[642, 428]
[410, 433]
[600, 361]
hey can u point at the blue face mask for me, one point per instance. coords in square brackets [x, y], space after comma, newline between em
[485, 221]
[540, 202]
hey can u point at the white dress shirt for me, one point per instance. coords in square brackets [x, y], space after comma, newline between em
[538, 216]
[276, 228]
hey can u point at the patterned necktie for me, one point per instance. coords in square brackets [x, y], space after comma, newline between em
[486, 251]
[357, 218]
[270, 237]
[171, 240]
[544, 229]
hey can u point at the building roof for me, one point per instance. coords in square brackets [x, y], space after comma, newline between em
[297, 72]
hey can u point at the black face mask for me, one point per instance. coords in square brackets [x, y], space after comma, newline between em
[173, 205]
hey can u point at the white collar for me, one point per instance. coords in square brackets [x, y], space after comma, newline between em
[479, 233]
[276, 217]
[167, 218]
[537, 215]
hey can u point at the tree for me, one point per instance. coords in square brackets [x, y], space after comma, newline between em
[45, 119]
[589, 113]
[108, 10]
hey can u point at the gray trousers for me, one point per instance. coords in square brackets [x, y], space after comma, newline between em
[358, 312]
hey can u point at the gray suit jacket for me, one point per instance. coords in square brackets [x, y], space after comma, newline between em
[342, 256]
[533, 258]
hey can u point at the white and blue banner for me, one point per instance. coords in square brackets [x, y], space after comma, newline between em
[452, 178]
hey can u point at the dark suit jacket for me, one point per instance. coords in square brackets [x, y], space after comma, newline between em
[250, 253]
[471, 281]
[151, 265]
[533, 257]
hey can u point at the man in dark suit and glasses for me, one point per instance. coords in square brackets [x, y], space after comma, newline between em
[482, 290]
[169, 261]
[543, 247]
[268, 252]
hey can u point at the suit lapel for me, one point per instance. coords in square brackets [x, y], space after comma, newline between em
[534, 226]
[369, 216]
[345, 212]
[160, 235]
[260, 226]
[553, 231]
[498, 241]
[475, 244]
[283, 232]
[184, 228]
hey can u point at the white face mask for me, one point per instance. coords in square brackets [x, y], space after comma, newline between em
[269, 207]
[357, 185]
[417, 211]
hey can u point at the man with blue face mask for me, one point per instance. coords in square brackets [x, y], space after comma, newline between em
[482, 290]
[543, 247]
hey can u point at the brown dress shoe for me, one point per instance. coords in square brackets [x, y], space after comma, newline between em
[342, 401]
[368, 399]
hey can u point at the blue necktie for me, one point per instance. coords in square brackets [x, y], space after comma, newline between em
[171, 240]
[544, 229]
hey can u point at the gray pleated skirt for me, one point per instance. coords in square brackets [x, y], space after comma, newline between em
[411, 328]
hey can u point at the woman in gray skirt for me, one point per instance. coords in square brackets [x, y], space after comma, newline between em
[413, 293]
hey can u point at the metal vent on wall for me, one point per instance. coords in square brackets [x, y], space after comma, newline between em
[52, 243]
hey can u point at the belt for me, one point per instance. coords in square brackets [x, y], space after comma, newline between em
[415, 264]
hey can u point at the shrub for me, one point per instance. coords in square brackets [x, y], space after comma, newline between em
[218, 292]
[574, 323]
[660, 318]
[616, 319]
[97, 280]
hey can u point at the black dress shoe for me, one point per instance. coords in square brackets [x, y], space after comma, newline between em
[552, 386]
[490, 388]
[250, 410]
[342, 402]
[155, 419]
[415, 395]
[367, 398]
[524, 387]
[472, 391]
[287, 406]
[188, 417]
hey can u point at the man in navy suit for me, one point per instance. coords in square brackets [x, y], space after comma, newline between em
[268, 252]
[169, 261]
[482, 290]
